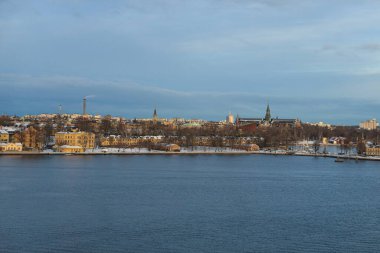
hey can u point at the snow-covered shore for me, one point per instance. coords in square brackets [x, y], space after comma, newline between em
[195, 151]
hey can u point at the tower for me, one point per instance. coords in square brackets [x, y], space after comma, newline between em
[230, 118]
[84, 106]
[155, 117]
[237, 121]
[267, 114]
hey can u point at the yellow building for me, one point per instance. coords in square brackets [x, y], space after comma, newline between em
[374, 151]
[80, 139]
[230, 119]
[115, 141]
[10, 147]
[70, 149]
[4, 136]
[369, 124]
[167, 147]
[249, 147]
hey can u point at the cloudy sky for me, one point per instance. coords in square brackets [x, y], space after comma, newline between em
[315, 60]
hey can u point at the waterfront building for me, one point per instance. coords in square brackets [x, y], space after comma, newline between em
[373, 151]
[4, 136]
[167, 147]
[369, 124]
[248, 147]
[70, 149]
[118, 141]
[81, 139]
[12, 133]
[10, 147]
[115, 141]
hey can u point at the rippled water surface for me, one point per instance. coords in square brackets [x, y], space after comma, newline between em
[188, 204]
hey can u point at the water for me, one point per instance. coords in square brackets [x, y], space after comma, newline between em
[188, 204]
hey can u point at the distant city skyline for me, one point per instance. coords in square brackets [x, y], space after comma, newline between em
[313, 60]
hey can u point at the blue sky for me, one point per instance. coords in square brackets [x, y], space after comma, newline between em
[315, 60]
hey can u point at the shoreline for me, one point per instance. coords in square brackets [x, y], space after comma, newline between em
[345, 157]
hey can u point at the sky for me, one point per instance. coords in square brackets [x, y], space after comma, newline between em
[312, 60]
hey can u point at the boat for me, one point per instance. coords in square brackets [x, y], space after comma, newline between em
[339, 160]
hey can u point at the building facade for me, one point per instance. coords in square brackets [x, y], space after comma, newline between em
[369, 124]
[118, 141]
[167, 147]
[230, 119]
[4, 136]
[81, 139]
[252, 123]
[10, 147]
[70, 149]
[373, 151]
[248, 147]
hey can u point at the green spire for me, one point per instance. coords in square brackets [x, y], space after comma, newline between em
[267, 115]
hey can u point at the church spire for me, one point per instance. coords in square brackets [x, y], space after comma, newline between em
[155, 115]
[267, 115]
